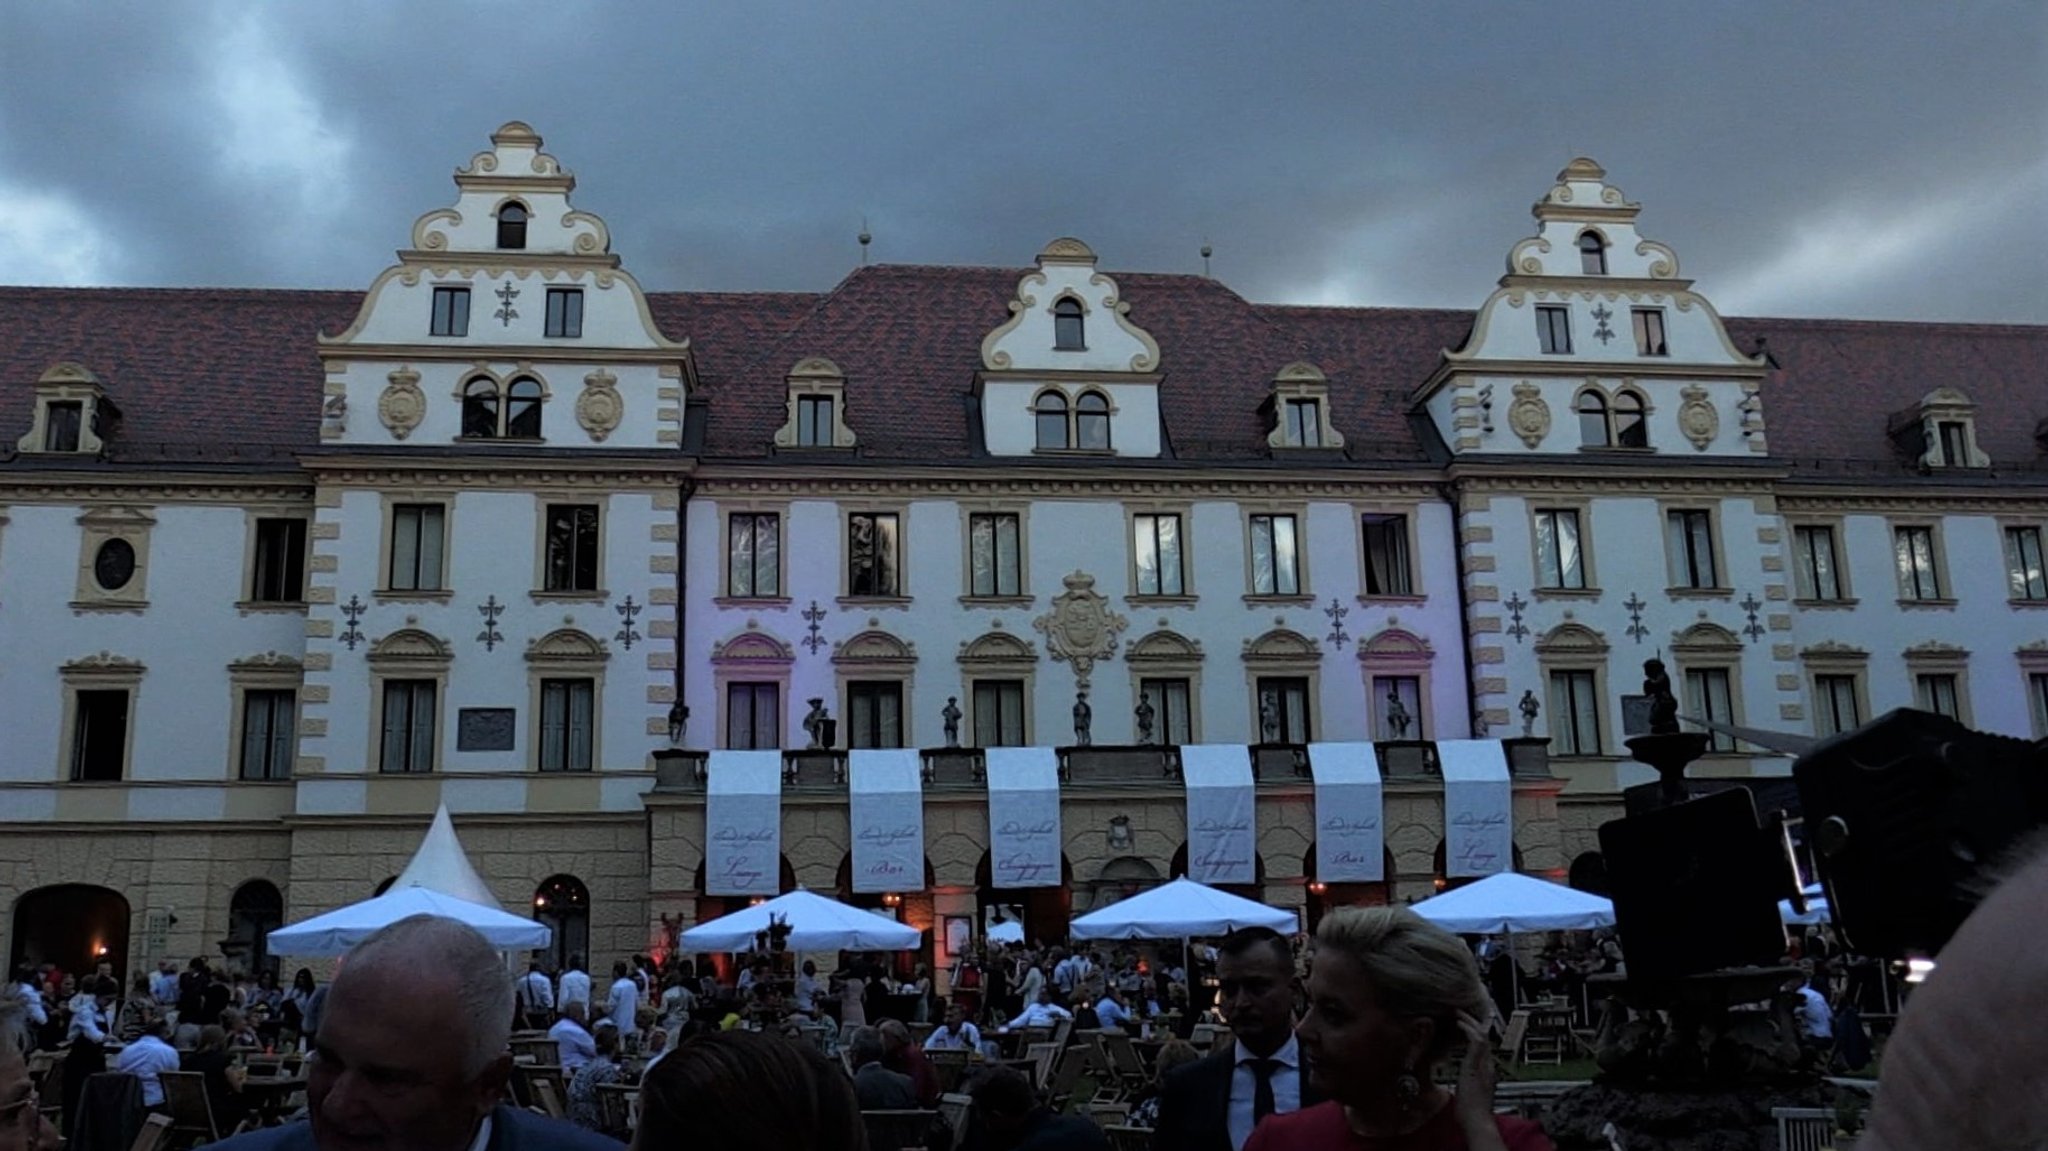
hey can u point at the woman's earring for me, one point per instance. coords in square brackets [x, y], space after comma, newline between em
[1407, 1090]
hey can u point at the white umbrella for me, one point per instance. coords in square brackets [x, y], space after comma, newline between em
[1178, 910]
[1816, 908]
[815, 922]
[1508, 901]
[335, 932]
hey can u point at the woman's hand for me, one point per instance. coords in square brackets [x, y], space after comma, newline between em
[1474, 1102]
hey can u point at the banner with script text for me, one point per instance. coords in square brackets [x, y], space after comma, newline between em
[1479, 804]
[887, 790]
[1350, 838]
[1223, 831]
[743, 824]
[1023, 817]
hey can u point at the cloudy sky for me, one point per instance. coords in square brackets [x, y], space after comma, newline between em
[1881, 159]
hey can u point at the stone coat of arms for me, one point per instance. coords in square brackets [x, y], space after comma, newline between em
[1080, 628]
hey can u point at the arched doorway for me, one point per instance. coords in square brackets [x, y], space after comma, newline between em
[1446, 883]
[562, 904]
[73, 925]
[1589, 874]
[1323, 897]
[1121, 878]
[1255, 890]
[1045, 911]
[254, 911]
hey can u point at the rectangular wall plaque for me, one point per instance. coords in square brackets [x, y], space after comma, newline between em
[485, 728]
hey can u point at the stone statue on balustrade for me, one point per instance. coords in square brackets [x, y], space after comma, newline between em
[1530, 709]
[1398, 718]
[1663, 705]
[1144, 715]
[1084, 719]
[952, 717]
[814, 723]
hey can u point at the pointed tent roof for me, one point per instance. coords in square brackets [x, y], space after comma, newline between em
[1511, 901]
[1179, 910]
[441, 865]
[815, 922]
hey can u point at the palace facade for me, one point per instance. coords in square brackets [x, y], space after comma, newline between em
[282, 572]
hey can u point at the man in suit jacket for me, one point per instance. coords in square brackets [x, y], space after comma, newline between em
[875, 1086]
[411, 1055]
[1213, 1103]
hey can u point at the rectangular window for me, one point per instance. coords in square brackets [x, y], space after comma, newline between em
[874, 714]
[1650, 332]
[1156, 544]
[99, 736]
[269, 733]
[1574, 714]
[871, 555]
[1275, 560]
[1559, 561]
[999, 713]
[572, 547]
[753, 716]
[1955, 443]
[61, 422]
[416, 542]
[1283, 710]
[1173, 723]
[754, 555]
[997, 568]
[565, 313]
[1554, 329]
[280, 562]
[451, 312]
[1936, 692]
[1834, 704]
[814, 421]
[410, 713]
[1919, 578]
[1390, 721]
[2037, 691]
[1303, 423]
[1815, 561]
[1386, 556]
[2024, 571]
[568, 724]
[1689, 548]
[1708, 695]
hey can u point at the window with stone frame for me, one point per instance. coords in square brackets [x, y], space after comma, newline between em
[753, 716]
[1091, 422]
[995, 555]
[753, 555]
[1560, 560]
[1302, 421]
[99, 734]
[1069, 325]
[1937, 692]
[2025, 575]
[1171, 700]
[814, 421]
[1388, 567]
[1689, 548]
[1050, 416]
[418, 542]
[872, 558]
[1592, 254]
[1816, 567]
[1275, 555]
[451, 312]
[279, 565]
[61, 424]
[564, 314]
[874, 713]
[1284, 710]
[1709, 694]
[512, 226]
[410, 717]
[999, 719]
[1386, 690]
[1836, 704]
[1554, 329]
[1156, 552]
[1575, 728]
[574, 557]
[568, 724]
[270, 731]
[1649, 325]
[1919, 569]
[2037, 695]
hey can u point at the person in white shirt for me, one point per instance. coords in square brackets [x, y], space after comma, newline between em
[536, 996]
[1816, 1018]
[1043, 1013]
[146, 1057]
[163, 986]
[575, 986]
[623, 1000]
[89, 1015]
[572, 1039]
[807, 989]
[1033, 982]
[1111, 1012]
[956, 1035]
[677, 1002]
[31, 996]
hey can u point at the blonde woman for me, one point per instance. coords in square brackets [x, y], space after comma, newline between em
[1390, 996]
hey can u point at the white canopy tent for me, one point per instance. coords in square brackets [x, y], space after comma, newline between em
[1507, 902]
[1179, 910]
[439, 881]
[1008, 931]
[815, 924]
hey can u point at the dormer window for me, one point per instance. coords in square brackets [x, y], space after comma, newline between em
[61, 423]
[1091, 422]
[1050, 413]
[1954, 441]
[512, 227]
[1941, 432]
[1300, 413]
[815, 412]
[1592, 254]
[1068, 332]
[1304, 423]
[72, 415]
[814, 421]
[489, 413]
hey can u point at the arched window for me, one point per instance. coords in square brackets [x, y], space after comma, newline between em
[1067, 330]
[1630, 430]
[1051, 411]
[480, 409]
[1592, 254]
[512, 226]
[562, 904]
[1091, 422]
[522, 409]
[1592, 409]
[254, 911]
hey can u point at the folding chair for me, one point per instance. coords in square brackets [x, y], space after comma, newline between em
[1129, 1138]
[954, 1109]
[1109, 1114]
[1042, 1054]
[191, 1112]
[155, 1130]
[1804, 1128]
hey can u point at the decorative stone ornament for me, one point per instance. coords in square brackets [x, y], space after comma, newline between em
[599, 409]
[1697, 417]
[1528, 415]
[403, 405]
[1080, 628]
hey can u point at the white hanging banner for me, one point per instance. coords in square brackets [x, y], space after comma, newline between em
[1222, 823]
[1479, 802]
[887, 789]
[743, 823]
[1023, 816]
[1350, 838]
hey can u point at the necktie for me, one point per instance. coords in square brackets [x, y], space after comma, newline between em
[1262, 1087]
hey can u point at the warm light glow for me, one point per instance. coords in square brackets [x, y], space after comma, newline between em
[540, 901]
[1318, 886]
[891, 899]
[1918, 968]
[99, 950]
[757, 901]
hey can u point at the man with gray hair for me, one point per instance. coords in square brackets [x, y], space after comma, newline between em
[411, 1054]
[877, 1087]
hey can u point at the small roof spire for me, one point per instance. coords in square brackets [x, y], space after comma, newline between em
[865, 239]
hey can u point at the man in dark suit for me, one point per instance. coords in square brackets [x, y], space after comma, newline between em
[1213, 1103]
[411, 1054]
[875, 1086]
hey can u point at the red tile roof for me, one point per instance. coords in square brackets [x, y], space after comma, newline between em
[226, 374]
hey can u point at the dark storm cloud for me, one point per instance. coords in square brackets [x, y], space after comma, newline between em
[1880, 160]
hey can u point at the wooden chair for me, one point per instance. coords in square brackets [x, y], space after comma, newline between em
[1124, 1061]
[1804, 1128]
[1510, 1046]
[155, 1130]
[1108, 1115]
[949, 1066]
[1042, 1054]
[190, 1111]
[615, 1102]
[898, 1130]
[1067, 1070]
[542, 1050]
[549, 1095]
[51, 1092]
[1123, 1138]
[1062, 1032]
[954, 1108]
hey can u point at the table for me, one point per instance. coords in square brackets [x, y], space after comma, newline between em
[271, 1097]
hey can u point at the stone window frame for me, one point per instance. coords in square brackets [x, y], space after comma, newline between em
[1302, 381]
[1410, 513]
[1304, 594]
[566, 653]
[1282, 652]
[389, 502]
[1940, 406]
[1945, 586]
[874, 655]
[98, 524]
[1937, 658]
[1611, 433]
[998, 655]
[1573, 646]
[501, 383]
[1022, 510]
[1589, 572]
[1053, 309]
[1071, 397]
[846, 510]
[1185, 511]
[1710, 647]
[68, 382]
[584, 497]
[2033, 663]
[1832, 658]
[2007, 524]
[271, 671]
[815, 376]
[249, 604]
[726, 510]
[1844, 577]
[1721, 587]
[1167, 654]
[751, 656]
[1398, 653]
[409, 653]
[102, 672]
